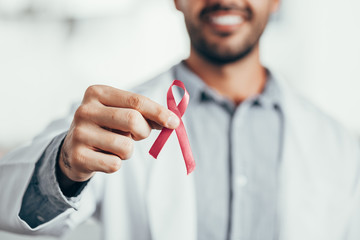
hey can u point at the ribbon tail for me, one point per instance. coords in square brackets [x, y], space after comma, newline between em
[160, 142]
[185, 148]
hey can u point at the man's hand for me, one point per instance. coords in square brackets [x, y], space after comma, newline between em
[104, 128]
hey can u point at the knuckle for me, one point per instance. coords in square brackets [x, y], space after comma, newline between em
[78, 157]
[135, 101]
[77, 133]
[145, 134]
[113, 166]
[127, 148]
[162, 114]
[113, 140]
[82, 112]
[133, 119]
[93, 91]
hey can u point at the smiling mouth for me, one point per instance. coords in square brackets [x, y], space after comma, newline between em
[226, 20]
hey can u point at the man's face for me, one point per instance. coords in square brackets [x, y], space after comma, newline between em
[224, 31]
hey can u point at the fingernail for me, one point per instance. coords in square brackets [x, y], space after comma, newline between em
[173, 121]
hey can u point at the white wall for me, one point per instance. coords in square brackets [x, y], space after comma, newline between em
[317, 48]
[46, 62]
[44, 65]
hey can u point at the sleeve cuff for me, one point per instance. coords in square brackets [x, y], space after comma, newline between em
[43, 199]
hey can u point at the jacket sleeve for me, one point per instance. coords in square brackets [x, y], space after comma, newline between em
[31, 201]
[43, 200]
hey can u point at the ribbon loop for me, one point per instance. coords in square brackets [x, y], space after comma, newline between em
[165, 133]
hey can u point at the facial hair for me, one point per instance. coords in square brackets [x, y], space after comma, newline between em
[215, 52]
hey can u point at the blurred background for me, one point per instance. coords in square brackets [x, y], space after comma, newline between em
[52, 50]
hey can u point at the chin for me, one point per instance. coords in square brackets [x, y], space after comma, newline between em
[224, 55]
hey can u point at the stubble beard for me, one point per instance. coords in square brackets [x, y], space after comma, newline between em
[222, 55]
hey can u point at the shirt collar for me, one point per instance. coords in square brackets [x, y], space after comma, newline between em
[199, 91]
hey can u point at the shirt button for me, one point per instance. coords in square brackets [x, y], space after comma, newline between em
[241, 180]
[40, 218]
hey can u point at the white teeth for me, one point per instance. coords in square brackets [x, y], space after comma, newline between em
[227, 20]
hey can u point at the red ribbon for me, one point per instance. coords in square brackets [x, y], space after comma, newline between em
[165, 133]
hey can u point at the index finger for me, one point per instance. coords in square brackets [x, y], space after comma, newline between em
[148, 108]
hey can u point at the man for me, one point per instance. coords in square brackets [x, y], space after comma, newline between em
[269, 164]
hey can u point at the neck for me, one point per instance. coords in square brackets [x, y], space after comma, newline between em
[236, 81]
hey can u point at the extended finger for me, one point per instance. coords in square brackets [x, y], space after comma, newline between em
[151, 110]
[123, 119]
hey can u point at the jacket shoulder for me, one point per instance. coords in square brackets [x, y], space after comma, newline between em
[319, 115]
[155, 86]
[309, 121]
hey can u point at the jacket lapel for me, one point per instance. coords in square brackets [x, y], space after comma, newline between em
[171, 196]
[310, 192]
[296, 203]
[171, 199]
